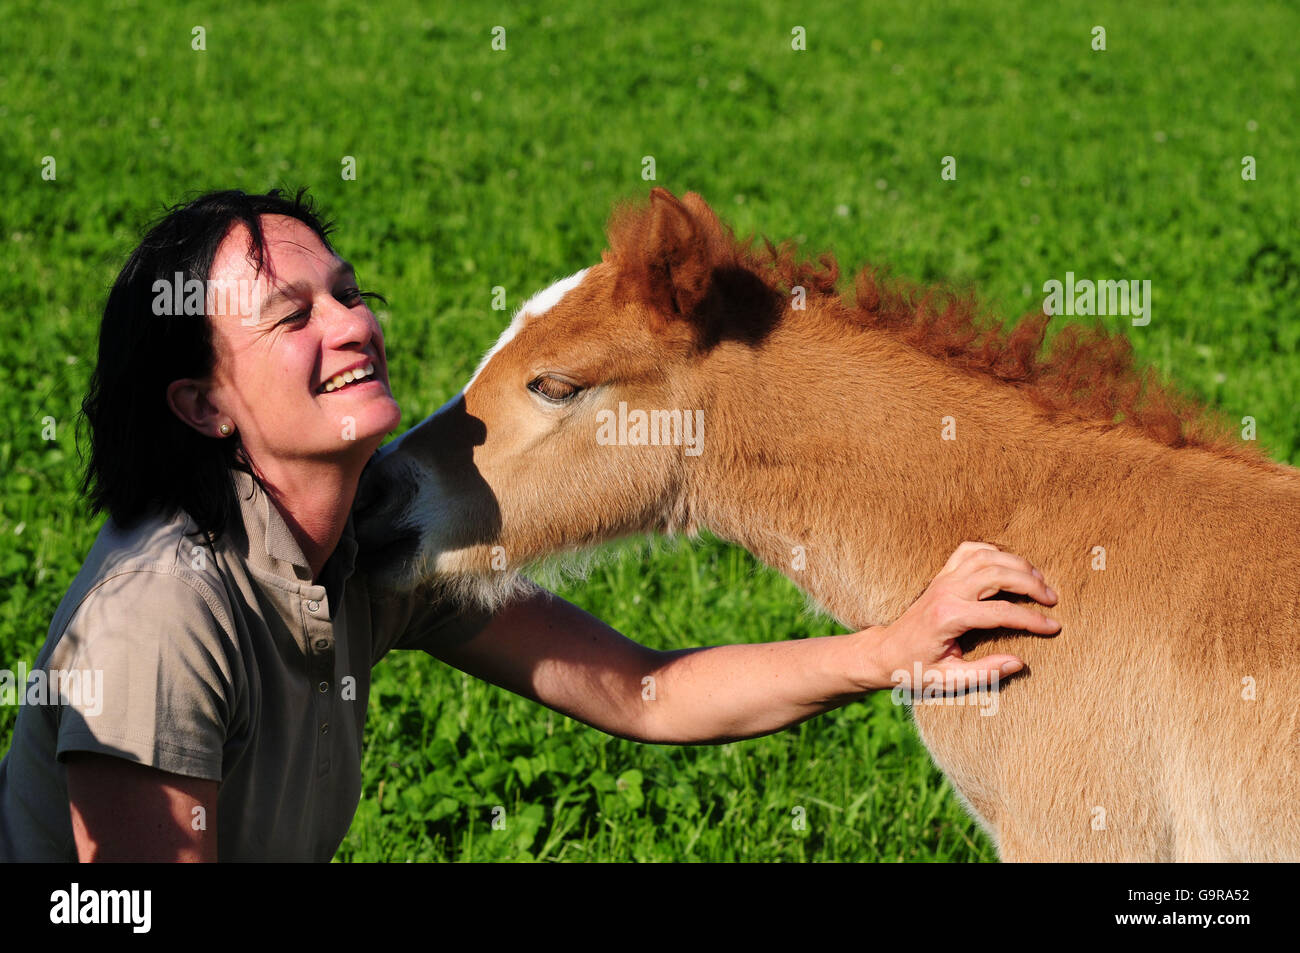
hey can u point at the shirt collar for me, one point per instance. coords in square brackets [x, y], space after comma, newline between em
[271, 544]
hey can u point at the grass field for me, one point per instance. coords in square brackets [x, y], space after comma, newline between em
[478, 168]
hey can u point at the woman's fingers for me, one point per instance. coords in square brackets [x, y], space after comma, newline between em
[997, 614]
[964, 552]
[982, 669]
[958, 600]
[989, 581]
[978, 559]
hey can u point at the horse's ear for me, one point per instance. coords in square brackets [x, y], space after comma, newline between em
[705, 216]
[668, 254]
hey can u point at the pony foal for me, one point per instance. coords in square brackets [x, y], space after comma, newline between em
[868, 439]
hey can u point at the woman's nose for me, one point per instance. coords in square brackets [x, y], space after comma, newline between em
[350, 325]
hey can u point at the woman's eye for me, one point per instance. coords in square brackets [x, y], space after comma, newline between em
[351, 297]
[554, 389]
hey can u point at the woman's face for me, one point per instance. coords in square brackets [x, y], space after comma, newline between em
[302, 324]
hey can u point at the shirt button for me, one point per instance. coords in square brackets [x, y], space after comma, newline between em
[325, 728]
[324, 686]
[313, 605]
[322, 644]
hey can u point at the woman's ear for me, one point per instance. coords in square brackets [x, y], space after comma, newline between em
[188, 400]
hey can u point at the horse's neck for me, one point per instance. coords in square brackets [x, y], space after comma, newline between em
[857, 465]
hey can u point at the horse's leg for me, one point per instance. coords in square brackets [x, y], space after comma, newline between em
[1029, 841]
[1018, 844]
[1064, 817]
[1051, 782]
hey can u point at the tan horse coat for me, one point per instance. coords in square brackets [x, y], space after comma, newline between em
[853, 447]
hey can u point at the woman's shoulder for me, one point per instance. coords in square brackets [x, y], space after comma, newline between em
[161, 565]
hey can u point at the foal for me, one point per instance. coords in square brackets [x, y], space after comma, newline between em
[852, 447]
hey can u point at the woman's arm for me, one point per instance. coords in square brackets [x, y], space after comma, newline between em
[124, 811]
[551, 651]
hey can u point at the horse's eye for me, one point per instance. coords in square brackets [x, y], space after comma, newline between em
[554, 389]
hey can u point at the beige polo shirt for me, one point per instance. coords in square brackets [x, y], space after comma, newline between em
[230, 665]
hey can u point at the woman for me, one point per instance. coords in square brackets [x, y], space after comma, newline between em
[241, 388]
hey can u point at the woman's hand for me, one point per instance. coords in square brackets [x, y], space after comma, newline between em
[927, 632]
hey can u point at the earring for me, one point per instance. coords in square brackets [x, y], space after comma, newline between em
[225, 430]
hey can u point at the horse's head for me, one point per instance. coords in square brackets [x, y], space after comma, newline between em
[585, 420]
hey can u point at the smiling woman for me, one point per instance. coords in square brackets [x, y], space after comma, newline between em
[234, 630]
[217, 605]
[281, 375]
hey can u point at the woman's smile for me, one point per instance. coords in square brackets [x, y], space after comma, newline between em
[357, 374]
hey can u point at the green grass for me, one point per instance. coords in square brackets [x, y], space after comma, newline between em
[478, 168]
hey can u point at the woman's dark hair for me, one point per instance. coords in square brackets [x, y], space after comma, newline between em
[143, 459]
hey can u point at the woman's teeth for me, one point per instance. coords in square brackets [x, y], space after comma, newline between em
[347, 377]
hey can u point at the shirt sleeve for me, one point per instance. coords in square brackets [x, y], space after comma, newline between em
[146, 671]
[417, 621]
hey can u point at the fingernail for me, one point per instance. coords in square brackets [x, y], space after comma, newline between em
[1051, 593]
[1038, 574]
[1009, 668]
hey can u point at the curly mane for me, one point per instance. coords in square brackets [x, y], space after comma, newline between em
[1090, 372]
